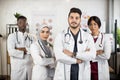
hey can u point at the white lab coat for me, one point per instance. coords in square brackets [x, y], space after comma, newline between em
[21, 65]
[40, 71]
[103, 68]
[64, 61]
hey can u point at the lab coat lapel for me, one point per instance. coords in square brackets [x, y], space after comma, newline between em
[42, 54]
[72, 42]
[70, 45]
[98, 42]
[19, 38]
[81, 38]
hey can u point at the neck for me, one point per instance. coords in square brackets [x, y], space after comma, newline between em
[45, 42]
[23, 31]
[95, 33]
[74, 30]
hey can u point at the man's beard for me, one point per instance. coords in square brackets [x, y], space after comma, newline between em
[74, 27]
[23, 29]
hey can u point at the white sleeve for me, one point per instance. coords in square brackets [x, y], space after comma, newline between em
[106, 48]
[58, 49]
[28, 50]
[89, 55]
[11, 48]
[35, 53]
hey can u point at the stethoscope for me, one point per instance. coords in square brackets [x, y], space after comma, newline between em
[42, 49]
[100, 45]
[67, 37]
[27, 37]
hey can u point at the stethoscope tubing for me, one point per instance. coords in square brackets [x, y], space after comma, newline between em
[27, 37]
[100, 45]
[69, 35]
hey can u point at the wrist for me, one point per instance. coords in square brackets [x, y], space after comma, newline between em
[74, 54]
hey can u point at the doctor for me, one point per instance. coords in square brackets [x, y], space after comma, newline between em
[18, 44]
[43, 57]
[73, 48]
[99, 66]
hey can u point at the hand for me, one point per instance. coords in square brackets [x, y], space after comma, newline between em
[88, 49]
[79, 61]
[99, 52]
[67, 52]
[22, 49]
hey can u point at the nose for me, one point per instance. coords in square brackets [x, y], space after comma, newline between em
[74, 19]
[45, 34]
[92, 26]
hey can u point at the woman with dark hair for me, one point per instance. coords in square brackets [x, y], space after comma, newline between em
[99, 66]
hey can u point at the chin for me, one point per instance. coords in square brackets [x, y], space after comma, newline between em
[74, 27]
[44, 39]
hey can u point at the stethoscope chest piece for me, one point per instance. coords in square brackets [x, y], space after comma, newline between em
[100, 45]
[67, 37]
[80, 42]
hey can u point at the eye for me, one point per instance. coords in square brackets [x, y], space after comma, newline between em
[71, 17]
[47, 32]
[77, 18]
[90, 24]
[42, 31]
[95, 24]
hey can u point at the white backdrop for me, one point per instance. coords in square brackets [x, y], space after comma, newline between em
[59, 7]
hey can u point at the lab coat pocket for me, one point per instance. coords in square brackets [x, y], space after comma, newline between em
[84, 45]
[69, 46]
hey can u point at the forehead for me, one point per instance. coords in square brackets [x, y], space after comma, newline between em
[92, 21]
[22, 19]
[74, 15]
[45, 29]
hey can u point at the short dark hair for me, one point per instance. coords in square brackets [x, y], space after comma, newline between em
[21, 17]
[75, 10]
[96, 19]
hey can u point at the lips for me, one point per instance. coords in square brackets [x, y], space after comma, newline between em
[45, 37]
[73, 23]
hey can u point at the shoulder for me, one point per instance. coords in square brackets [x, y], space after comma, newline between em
[32, 36]
[34, 48]
[12, 35]
[34, 45]
[86, 33]
[107, 37]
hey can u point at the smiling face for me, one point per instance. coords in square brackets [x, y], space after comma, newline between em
[74, 20]
[44, 33]
[93, 26]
